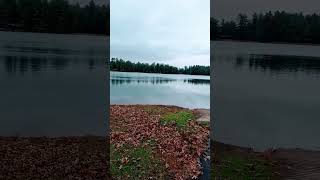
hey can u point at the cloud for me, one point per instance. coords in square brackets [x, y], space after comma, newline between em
[171, 31]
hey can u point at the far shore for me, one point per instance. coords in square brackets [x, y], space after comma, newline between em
[159, 73]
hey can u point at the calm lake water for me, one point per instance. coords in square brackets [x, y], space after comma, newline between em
[266, 95]
[146, 88]
[52, 85]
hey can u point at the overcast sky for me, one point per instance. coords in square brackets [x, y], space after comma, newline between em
[230, 8]
[174, 32]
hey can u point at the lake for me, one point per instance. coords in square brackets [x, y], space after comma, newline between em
[187, 91]
[266, 95]
[53, 85]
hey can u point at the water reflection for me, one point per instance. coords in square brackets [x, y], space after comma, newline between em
[266, 95]
[22, 64]
[279, 63]
[53, 84]
[197, 81]
[47, 50]
[119, 80]
[188, 91]
[151, 80]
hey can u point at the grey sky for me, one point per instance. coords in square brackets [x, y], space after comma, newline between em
[230, 8]
[174, 32]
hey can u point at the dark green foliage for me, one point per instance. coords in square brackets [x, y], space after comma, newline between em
[54, 16]
[278, 26]
[127, 66]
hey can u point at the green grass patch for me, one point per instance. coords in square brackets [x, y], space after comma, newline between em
[234, 167]
[205, 124]
[180, 118]
[135, 163]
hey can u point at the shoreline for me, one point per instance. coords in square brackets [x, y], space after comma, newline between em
[160, 73]
[78, 155]
[277, 163]
[172, 153]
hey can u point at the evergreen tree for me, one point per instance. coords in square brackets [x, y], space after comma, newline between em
[54, 16]
[127, 66]
[278, 26]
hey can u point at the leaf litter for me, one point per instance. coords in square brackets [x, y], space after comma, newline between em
[179, 148]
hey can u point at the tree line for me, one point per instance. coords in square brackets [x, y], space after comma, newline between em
[127, 66]
[278, 26]
[54, 16]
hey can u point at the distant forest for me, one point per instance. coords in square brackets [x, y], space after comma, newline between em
[127, 66]
[54, 16]
[276, 26]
